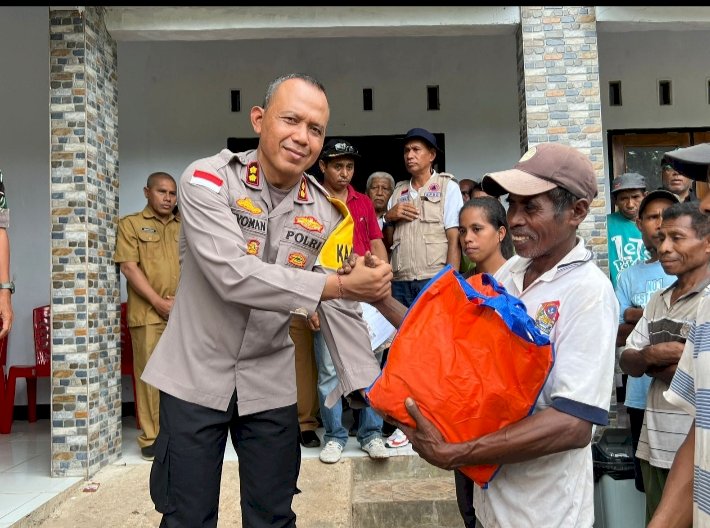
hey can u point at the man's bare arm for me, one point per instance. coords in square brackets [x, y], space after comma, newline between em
[676, 507]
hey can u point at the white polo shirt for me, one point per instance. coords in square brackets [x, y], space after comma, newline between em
[574, 303]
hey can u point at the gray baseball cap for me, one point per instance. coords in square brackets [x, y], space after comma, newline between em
[628, 180]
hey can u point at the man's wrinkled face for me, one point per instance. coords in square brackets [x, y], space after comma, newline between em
[680, 249]
[379, 192]
[628, 201]
[534, 227]
[674, 181]
[291, 130]
[162, 197]
[418, 156]
[337, 172]
[650, 221]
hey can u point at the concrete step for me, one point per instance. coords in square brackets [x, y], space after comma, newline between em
[405, 492]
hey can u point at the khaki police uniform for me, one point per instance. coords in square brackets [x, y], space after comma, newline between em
[144, 239]
[226, 358]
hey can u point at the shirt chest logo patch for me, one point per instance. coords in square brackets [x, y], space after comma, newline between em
[297, 259]
[248, 205]
[547, 315]
[309, 222]
[253, 247]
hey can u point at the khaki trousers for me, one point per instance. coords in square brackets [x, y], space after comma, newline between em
[306, 374]
[144, 339]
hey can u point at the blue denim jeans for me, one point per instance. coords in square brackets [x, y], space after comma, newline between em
[370, 422]
[406, 291]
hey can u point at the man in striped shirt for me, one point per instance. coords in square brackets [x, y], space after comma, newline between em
[655, 345]
[686, 496]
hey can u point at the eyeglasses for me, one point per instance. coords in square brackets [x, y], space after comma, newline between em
[667, 166]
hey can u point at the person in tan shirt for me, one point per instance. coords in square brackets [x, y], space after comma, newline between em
[147, 251]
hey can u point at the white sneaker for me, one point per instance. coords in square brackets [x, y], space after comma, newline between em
[397, 439]
[331, 453]
[376, 448]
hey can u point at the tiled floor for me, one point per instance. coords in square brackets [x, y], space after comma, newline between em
[25, 483]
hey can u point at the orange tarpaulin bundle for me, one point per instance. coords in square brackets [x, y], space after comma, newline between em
[470, 356]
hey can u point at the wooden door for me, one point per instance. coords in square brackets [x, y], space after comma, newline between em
[642, 153]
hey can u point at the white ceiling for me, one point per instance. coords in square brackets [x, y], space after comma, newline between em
[194, 23]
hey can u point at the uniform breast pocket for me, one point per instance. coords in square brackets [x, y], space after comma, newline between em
[432, 211]
[149, 245]
[295, 257]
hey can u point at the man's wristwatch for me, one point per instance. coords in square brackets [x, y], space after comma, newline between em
[8, 286]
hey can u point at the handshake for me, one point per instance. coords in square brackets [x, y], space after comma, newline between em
[361, 278]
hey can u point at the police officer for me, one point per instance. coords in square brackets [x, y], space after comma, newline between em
[260, 241]
[147, 250]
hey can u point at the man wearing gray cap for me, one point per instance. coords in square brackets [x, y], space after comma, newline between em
[546, 474]
[623, 236]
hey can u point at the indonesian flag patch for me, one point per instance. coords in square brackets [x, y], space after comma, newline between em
[205, 179]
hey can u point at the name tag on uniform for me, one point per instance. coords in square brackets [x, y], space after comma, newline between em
[148, 230]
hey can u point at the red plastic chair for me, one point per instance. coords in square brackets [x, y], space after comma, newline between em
[41, 369]
[3, 374]
[127, 356]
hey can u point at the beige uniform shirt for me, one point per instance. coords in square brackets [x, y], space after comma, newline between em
[144, 239]
[245, 266]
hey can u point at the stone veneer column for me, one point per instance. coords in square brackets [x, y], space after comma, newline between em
[558, 66]
[558, 72]
[85, 297]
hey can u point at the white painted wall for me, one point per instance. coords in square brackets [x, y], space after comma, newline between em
[174, 98]
[174, 108]
[639, 60]
[24, 161]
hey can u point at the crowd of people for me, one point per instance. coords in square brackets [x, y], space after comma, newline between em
[284, 277]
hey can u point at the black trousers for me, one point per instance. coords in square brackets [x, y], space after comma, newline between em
[189, 453]
[636, 421]
[464, 498]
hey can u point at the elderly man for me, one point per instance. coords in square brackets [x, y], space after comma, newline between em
[546, 478]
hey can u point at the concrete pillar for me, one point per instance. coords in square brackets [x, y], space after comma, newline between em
[558, 66]
[85, 296]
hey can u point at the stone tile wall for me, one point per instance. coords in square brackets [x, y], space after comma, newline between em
[86, 375]
[558, 71]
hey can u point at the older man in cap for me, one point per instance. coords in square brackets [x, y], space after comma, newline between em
[421, 225]
[685, 496]
[624, 238]
[546, 478]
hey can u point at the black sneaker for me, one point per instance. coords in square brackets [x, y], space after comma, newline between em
[148, 453]
[309, 439]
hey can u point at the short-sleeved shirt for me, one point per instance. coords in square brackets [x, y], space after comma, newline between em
[664, 425]
[575, 305]
[366, 226]
[634, 288]
[625, 244]
[690, 391]
[154, 246]
[4, 211]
